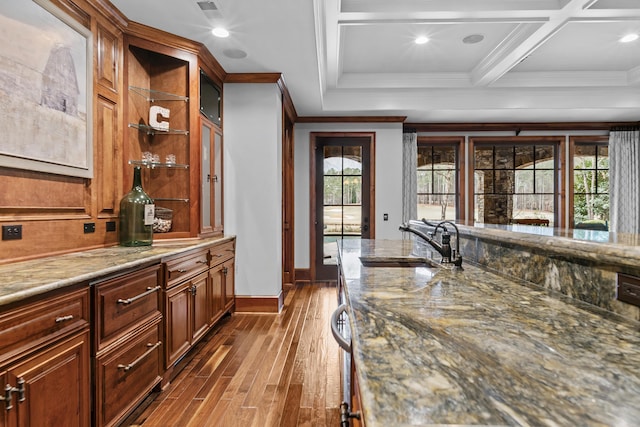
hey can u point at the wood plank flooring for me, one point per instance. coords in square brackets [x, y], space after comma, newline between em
[259, 370]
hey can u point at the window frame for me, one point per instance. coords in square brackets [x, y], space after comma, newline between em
[458, 143]
[559, 170]
[597, 140]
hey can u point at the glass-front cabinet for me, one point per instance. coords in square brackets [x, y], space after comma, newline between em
[211, 163]
[211, 179]
[173, 130]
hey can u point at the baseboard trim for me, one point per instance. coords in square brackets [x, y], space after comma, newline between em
[261, 304]
[303, 275]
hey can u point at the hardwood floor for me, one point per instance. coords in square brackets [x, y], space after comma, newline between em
[259, 370]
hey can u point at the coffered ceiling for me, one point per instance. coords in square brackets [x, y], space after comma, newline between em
[485, 61]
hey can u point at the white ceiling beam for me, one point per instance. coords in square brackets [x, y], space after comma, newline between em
[481, 98]
[448, 17]
[330, 53]
[403, 80]
[387, 6]
[517, 48]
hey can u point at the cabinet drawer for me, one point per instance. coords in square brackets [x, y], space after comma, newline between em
[186, 266]
[41, 322]
[125, 302]
[127, 374]
[222, 253]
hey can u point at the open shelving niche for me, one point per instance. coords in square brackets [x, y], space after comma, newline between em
[166, 183]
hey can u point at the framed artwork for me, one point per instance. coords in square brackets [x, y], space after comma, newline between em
[45, 90]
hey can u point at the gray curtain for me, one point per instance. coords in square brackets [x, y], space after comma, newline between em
[409, 177]
[624, 181]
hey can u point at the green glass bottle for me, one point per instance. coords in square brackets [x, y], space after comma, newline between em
[136, 215]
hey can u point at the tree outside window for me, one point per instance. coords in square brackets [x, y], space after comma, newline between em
[591, 185]
[436, 179]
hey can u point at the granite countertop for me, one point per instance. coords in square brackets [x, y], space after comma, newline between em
[434, 346]
[599, 247]
[25, 279]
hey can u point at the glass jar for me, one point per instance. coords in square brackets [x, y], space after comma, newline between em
[137, 212]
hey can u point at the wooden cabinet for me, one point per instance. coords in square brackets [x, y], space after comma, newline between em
[186, 313]
[184, 266]
[228, 270]
[161, 119]
[168, 114]
[44, 358]
[197, 294]
[223, 277]
[222, 289]
[126, 374]
[127, 351]
[211, 181]
[186, 303]
[54, 384]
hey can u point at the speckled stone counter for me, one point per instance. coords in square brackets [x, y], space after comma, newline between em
[439, 347]
[581, 264]
[22, 280]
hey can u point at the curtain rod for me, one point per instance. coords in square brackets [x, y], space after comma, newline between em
[625, 128]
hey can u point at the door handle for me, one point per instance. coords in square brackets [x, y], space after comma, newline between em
[365, 227]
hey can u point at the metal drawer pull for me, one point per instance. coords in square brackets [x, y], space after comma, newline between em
[137, 297]
[200, 261]
[346, 346]
[181, 270]
[132, 365]
[7, 393]
[64, 318]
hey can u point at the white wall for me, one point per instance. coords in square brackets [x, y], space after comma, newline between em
[253, 185]
[388, 177]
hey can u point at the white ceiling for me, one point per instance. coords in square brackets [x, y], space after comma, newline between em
[540, 60]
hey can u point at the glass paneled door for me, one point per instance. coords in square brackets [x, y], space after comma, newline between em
[343, 193]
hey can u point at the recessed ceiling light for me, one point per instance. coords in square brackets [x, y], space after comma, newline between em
[473, 39]
[220, 32]
[629, 38]
[421, 40]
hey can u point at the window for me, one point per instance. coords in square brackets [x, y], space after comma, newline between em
[515, 182]
[591, 183]
[437, 179]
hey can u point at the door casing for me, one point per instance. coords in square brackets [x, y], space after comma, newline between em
[315, 139]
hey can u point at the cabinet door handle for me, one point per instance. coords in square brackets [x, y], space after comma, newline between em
[7, 393]
[137, 297]
[64, 318]
[151, 349]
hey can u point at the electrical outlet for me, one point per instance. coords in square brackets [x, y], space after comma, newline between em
[11, 232]
[111, 226]
[89, 227]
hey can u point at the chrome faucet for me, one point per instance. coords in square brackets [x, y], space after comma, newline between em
[449, 255]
